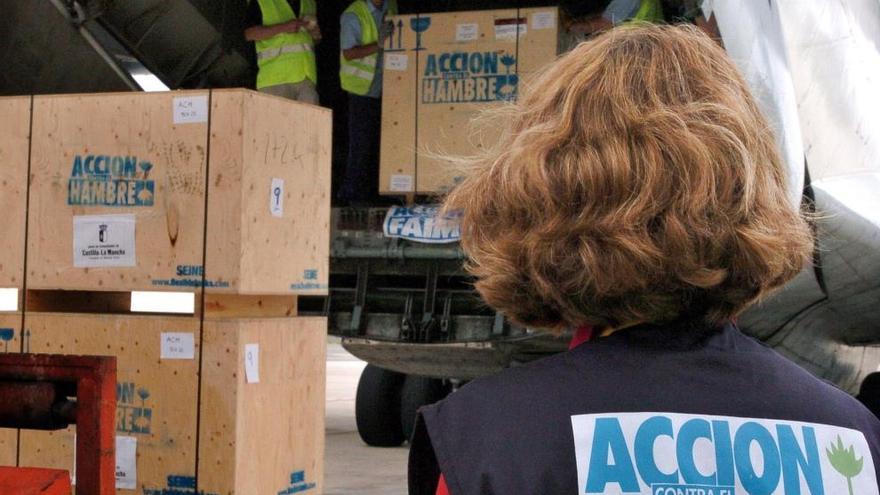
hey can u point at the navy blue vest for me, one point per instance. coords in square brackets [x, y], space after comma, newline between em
[665, 410]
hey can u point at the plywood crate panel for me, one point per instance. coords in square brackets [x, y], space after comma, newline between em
[269, 199]
[400, 78]
[10, 341]
[466, 62]
[14, 143]
[156, 398]
[265, 437]
[142, 159]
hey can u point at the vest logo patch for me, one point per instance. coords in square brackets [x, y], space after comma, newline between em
[685, 454]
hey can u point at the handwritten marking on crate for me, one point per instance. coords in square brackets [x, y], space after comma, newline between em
[132, 413]
[190, 109]
[298, 484]
[252, 363]
[177, 345]
[104, 180]
[276, 197]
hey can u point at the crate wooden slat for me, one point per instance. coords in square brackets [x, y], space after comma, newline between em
[158, 143]
[255, 437]
[14, 142]
[156, 398]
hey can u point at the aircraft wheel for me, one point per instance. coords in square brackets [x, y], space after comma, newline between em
[419, 391]
[377, 407]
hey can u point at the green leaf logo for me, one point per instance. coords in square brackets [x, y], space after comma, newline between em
[844, 461]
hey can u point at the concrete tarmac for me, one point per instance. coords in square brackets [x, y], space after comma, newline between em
[350, 467]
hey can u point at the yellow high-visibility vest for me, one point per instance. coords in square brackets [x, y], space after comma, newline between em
[357, 75]
[286, 57]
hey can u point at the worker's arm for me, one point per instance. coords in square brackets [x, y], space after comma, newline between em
[360, 51]
[257, 33]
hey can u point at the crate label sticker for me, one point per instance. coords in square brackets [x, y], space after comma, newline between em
[469, 77]
[467, 32]
[134, 411]
[422, 224]
[178, 345]
[252, 363]
[276, 197]
[104, 241]
[396, 61]
[401, 183]
[115, 181]
[190, 109]
[508, 29]
[298, 484]
[126, 463]
[544, 20]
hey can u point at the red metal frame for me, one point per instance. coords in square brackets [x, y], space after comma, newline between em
[95, 379]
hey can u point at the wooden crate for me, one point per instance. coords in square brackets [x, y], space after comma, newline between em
[265, 437]
[14, 143]
[156, 398]
[132, 171]
[253, 436]
[435, 84]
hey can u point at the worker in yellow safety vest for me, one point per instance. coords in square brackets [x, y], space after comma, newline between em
[285, 33]
[618, 12]
[363, 29]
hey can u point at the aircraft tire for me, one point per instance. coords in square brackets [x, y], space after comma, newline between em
[377, 407]
[419, 391]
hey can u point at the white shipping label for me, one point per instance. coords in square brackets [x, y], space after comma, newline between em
[190, 109]
[396, 61]
[103, 241]
[401, 183]
[126, 463]
[544, 20]
[178, 345]
[668, 453]
[252, 363]
[467, 32]
[276, 197]
[508, 31]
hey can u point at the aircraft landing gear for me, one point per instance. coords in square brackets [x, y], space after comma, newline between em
[386, 404]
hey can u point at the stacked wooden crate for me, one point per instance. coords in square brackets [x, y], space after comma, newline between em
[222, 196]
[440, 71]
[14, 146]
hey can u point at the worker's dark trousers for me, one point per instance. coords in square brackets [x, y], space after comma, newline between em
[361, 180]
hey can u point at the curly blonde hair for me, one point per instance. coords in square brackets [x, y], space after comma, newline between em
[636, 181]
